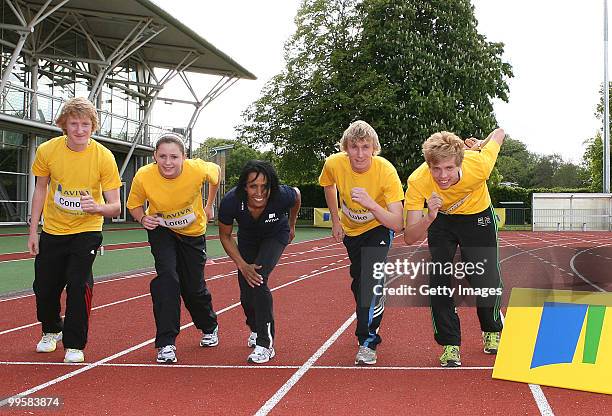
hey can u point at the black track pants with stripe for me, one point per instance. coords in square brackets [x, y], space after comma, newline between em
[364, 250]
[65, 261]
[257, 301]
[476, 236]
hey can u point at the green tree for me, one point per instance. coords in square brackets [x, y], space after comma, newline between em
[236, 157]
[593, 155]
[409, 68]
[301, 110]
[570, 175]
[495, 178]
[593, 162]
[510, 169]
[444, 73]
[544, 171]
[516, 163]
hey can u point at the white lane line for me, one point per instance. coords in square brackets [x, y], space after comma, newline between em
[142, 344]
[93, 309]
[536, 390]
[397, 368]
[215, 277]
[280, 393]
[540, 399]
[17, 297]
[573, 266]
[130, 276]
[284, 389]
[32, 258]
[97, 282]
[250, 367]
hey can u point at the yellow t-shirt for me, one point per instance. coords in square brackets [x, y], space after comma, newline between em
[468, 196]
[381, 182]
[177, 201]
[93, 170]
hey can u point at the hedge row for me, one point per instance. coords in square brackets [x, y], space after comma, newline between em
[313, 196]
[518, 194]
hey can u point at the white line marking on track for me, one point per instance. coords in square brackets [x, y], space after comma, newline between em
[250, 367]
[93, 309]
[536, 390]
[98, 282]
[215, 277]
[540, 399]
[32, 258]
[217, 262]
[142, 344]
[309, 364]
[280, 393]
[572, 265]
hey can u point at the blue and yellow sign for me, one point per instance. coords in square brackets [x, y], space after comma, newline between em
[500, 216]
[557, 338]
[322, 218]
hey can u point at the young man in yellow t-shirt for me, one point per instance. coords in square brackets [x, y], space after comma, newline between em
[175, 221]
[77, 184]
[453, 183]
[371, 210]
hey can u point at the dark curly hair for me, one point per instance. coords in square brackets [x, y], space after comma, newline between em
[261, 167]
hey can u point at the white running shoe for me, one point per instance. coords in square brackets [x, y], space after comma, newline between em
[261, 355]
[210, 340]
[166, 354]
[365, 356]
[48, 342]
[252, 341]
[74, 356]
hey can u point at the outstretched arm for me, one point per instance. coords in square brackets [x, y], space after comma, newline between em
[496, 135]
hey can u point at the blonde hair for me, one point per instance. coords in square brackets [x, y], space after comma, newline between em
[78, 107]
[360, 131]
[442, 145]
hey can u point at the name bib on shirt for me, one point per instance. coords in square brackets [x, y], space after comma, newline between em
[456, 205]
[68, 200]
[360, 217]
[178, 219]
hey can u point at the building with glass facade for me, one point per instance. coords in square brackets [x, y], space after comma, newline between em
[120, 54]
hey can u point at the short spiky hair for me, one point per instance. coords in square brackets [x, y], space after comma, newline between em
[261, 167]
[78, 107]
[360, 131]
[442, 145]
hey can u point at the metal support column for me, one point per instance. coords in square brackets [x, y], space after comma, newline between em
[32, 139]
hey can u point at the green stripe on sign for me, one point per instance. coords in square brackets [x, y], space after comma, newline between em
[595, 318]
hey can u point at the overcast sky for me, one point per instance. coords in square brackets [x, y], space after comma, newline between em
[555, 48]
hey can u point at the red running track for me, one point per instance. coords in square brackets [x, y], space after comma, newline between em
[313, 372]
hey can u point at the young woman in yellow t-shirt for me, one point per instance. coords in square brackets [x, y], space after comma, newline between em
[175, 221]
